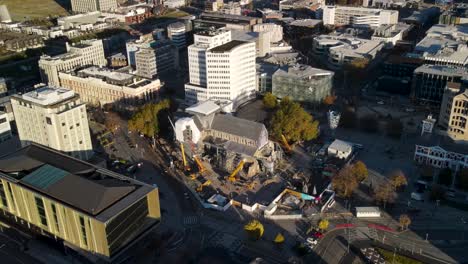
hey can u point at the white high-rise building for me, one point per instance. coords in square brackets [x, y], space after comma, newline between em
[220, 68]
[358, 16]
[84, 6]
[54, 117]
[89, 52]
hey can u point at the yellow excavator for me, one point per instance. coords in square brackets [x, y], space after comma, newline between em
[184, 159]
[286, 144]
[232, 177]
[200, 188]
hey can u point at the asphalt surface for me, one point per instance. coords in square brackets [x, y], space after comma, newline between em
[10, 252]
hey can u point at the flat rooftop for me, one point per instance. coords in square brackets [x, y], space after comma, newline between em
[226, 18]
[228, 46]
[47, 95]
[87, 188]
[443, 70]
[301, 71]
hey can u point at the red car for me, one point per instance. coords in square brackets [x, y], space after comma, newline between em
[316, 234]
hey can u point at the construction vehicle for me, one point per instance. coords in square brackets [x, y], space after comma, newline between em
[251, 185]
[201, 168]
[200, 188]
[232, 177]
[286, 144]
[184, 159]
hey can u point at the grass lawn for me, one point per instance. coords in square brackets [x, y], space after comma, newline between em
[399, 259]
[29, 9]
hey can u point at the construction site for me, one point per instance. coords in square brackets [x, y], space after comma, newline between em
[231, 161]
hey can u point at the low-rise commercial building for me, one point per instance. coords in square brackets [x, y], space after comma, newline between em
[53, 117]
[89, 52]
[19, 42]
[230, 8]
[88, 208]
[210, 20]
[340, 149]
[101, 86]
[429, 81]
[339, 49]
[302, 83]
[391, 34]
[358, 16]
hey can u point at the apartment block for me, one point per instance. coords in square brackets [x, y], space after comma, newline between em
[453, 115]
[220, 68]
[89, 52]
[358, 16]
[84, 6]
[93, 211]
[53, 117]
[100, 86]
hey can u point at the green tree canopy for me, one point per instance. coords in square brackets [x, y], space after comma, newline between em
[146, 119]
[292, 121]
[269, 101]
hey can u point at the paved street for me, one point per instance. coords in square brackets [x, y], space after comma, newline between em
[10, 252]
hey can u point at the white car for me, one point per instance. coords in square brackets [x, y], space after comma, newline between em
[312, 241]
[381, 102]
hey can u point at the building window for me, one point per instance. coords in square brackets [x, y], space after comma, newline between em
[63, 124]
[2, 120]
[3, 198]
[48, 121]
[41, 210]
[54, 212]
[83, 231]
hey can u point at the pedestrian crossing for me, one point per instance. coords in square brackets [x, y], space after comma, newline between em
[191, 220]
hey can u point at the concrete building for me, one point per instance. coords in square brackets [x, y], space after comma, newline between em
[134, 45]
[53, 117]
[371, 211]
[210, 20]
[440, 152]
[84, 6]
[93, 211]
[4, 14]
[90, 52]
[358, 16]
[160, 58]
[101, 86]
[339, 49]
[444, 45]
[453, 115]
[391, 34]
[20, 42]
[429, 81]
[456, 14]
[174, 3]
[302, 83]
[340, 149]
[230, 8]
[177, 32]
[275, 31]
[5, 128]
[220, 68]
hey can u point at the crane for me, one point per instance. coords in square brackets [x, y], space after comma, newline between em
[184, 159]
[200, 188]
[286, 144]
[201, 168]
[232, 177]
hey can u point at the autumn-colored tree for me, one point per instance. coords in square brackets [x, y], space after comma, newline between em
[398, 179]
[146, 120]
[329, 99]
[359, 170]
[323, 224]
[292, 121]
[385, 194]
[111, 120]
[405, 221]
[344, 183]
[269, 101]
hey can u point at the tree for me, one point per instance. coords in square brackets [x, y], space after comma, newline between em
[147, 119]
[385, 194]
[359, 170]
[344, 183]
[398, 179]
[394, 128]
[269, 101]
[111, 121]
[329, 99]
[369, 123]
[348, 119]
[405, 221]
[254, 229]
[292, 121]
[323, 224]
[356, 73]
[445, 177]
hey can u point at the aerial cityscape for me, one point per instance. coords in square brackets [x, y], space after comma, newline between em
[234, 131]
